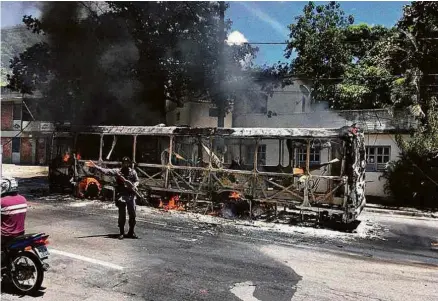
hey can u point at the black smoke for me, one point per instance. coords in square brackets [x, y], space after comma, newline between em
[93, 67]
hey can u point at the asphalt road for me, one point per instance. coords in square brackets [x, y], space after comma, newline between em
[182, 258]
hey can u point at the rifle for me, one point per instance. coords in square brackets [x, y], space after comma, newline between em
[131, 187]
[125, 181]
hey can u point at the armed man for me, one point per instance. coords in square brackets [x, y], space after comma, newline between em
[127, 182]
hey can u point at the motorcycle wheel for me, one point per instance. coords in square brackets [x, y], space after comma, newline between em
[27, 267]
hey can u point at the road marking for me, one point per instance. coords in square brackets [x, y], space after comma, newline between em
[244, 291]
[187, 239]
[87, 259]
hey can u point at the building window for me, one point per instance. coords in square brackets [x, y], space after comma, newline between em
[377, 157]
[261, 154]
[16, 145]
[315, 156]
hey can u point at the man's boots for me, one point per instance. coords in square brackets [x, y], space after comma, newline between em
[122, 233]
[131, 234]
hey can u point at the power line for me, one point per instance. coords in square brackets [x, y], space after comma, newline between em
[266, 43]
[345, 41]
[298, 76]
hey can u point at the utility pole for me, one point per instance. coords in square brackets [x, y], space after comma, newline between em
[220, 100]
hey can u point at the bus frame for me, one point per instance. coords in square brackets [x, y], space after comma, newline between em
[291, 186]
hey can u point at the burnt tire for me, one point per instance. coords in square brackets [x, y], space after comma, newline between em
[20, 269]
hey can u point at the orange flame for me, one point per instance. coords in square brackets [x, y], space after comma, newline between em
[235, 195]
[66, 157]
[174, 204]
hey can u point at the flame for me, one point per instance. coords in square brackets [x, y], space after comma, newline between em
[235, 195]
[66, 157]
[298, 171]
[84, 183]
[78, 157]
[174, 204]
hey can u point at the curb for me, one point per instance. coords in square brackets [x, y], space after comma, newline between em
[403, 213]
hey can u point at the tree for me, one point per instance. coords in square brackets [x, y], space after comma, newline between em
[318, 38]
[378, 67]
[14, 40]
[123, 64]
[340, 58]
[414, 53]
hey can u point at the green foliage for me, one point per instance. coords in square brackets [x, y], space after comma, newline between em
[413, 179]
[318, 38]
[341, 58]
[425, 139]
[358, 66]
[364, 87]
[408, 180]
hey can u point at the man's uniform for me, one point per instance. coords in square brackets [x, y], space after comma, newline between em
[125, 198]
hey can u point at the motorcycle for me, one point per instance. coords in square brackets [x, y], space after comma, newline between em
[22, 262]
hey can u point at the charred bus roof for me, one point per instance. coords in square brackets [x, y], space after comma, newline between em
[208, 131]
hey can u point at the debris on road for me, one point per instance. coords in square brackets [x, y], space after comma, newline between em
[34, 189]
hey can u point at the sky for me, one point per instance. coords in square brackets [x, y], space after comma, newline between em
[255, 21]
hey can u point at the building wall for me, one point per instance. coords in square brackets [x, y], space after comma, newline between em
[31, 137]
[374, 185]
[6, 116]
[196, 114]
[41, 151]
[291, 107]
[7, 150]
[32, 150]
[26, 151]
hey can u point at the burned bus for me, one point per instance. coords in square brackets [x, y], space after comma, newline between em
[311, 169]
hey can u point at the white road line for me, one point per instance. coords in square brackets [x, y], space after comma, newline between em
[187, 239]
[87, 259]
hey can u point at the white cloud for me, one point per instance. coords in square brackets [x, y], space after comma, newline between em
[236, 38]
[277, 26]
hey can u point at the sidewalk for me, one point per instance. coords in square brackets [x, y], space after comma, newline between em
[400, 211]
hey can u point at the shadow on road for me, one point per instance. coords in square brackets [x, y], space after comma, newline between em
[113, 236]
[9, 289]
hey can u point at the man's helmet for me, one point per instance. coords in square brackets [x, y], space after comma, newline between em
[8, 185]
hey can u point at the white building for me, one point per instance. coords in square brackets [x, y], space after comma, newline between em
[290, 108]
